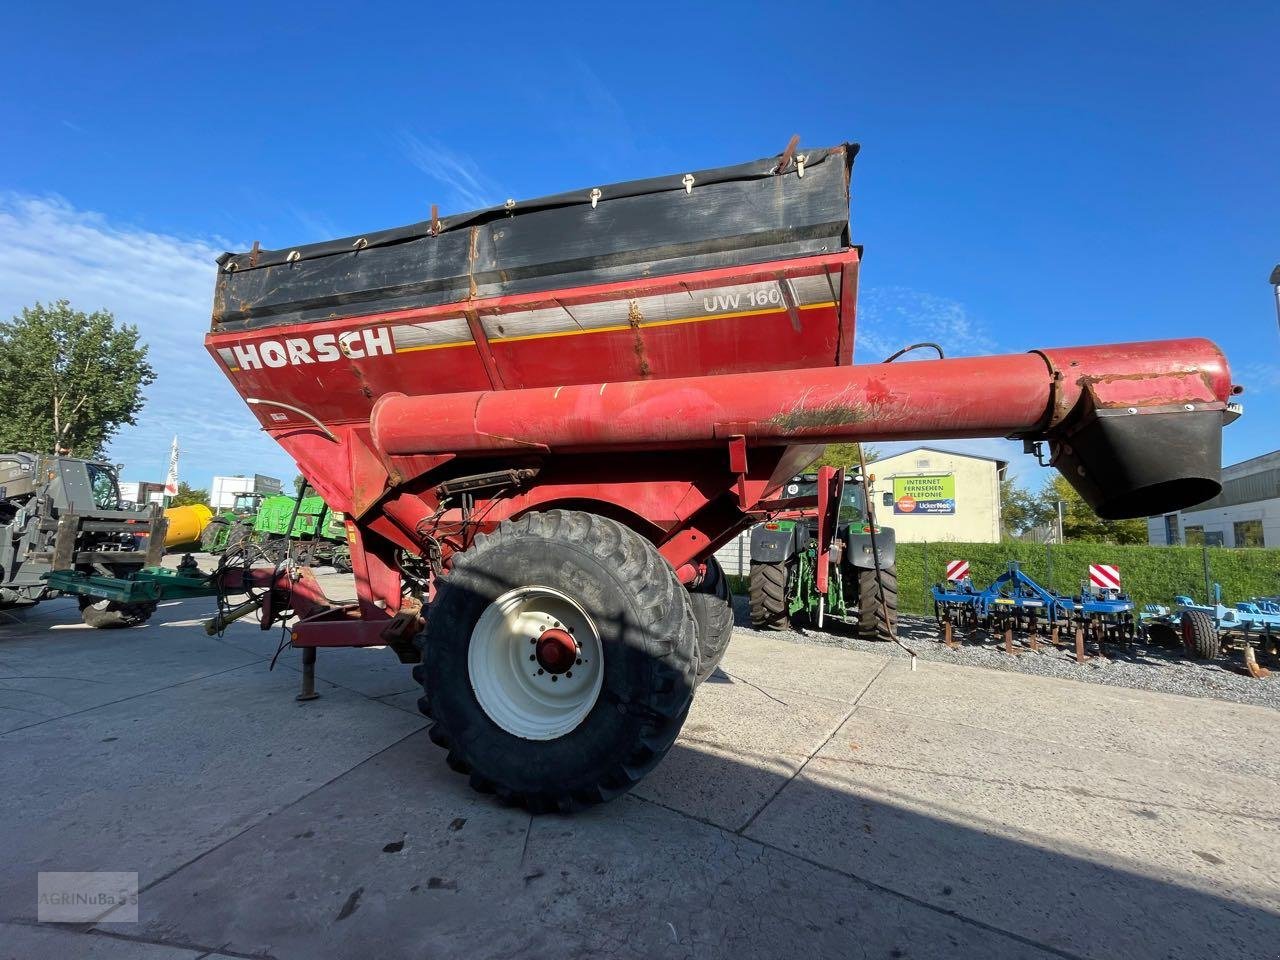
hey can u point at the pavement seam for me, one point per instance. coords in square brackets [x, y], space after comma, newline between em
[869, 884]
[1110, 751]
[204, 950]
[799, 770]
[135, 696]
[253, 826]
[332, 683]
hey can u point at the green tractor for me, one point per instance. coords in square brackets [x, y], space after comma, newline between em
[233, 528]
[317, 536]
[862, 579]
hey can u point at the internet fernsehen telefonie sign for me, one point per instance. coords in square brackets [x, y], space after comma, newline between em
[931, 496]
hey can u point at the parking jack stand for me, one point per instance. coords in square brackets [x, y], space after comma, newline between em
[308, 691]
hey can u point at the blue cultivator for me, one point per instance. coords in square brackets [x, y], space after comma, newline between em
[1204, 630]
[1015, 603]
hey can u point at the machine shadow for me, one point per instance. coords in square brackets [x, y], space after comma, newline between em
[1071, 896]
[1054, 894]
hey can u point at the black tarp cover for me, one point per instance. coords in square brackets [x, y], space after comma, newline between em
[728, 216]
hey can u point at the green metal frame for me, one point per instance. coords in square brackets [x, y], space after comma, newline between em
[148, 585]
[803, 590]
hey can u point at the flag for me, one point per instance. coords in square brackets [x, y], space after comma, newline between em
[171, 481]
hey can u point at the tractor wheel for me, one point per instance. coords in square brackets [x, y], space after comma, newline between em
[213, 531]
[1200, 635]
[559, 660]
[111, 615]
[769, 596]
[713, 610]
[239, 538]
[342, 559]
[871, 617]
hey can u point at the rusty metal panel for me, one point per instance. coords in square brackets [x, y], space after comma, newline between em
[64, 544]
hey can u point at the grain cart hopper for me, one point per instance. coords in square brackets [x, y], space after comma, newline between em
[541, 419]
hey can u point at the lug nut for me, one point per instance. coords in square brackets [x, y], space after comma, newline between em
[533, 656]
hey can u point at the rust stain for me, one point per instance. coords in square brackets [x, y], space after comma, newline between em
[473, 251]
[634, 318]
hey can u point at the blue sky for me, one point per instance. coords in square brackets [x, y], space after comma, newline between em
[1032, 174]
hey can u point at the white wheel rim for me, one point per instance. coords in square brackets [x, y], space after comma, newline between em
[516, 692]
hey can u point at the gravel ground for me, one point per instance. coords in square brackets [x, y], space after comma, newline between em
[1140, 667]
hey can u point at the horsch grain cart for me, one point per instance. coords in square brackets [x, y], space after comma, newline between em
[540, 420]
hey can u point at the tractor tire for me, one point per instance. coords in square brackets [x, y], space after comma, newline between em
[342, 559]
[212, 531]
[240, 538]
[713, 610]
[558, 596]
[769, 596]
[1200, 635]
[871, 616]
[110, 615]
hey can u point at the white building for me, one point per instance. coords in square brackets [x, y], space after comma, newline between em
[1245, 514]
[930, 495]
[224, 490]
[925, 494]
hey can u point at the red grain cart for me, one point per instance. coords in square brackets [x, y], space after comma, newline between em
[543, 418]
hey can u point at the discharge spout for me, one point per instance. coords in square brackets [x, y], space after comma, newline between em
[1136, 428]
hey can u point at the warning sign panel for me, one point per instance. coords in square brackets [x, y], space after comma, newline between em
[925, 495]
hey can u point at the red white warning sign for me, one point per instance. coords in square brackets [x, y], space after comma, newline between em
[1105, 576]
[957, 570]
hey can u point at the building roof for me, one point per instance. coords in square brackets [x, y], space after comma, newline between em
[1262, 461]
[1000, 464]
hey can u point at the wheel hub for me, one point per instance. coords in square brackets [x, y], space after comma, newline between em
[556, 651]
[536, 662]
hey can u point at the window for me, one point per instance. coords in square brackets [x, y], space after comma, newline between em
[103, 482]
[1213, 538]
[850, 502]
[1248, 533]
[1171, 529]
[1194, 535]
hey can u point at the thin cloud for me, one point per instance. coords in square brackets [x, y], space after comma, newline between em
[468, 187]
[890, 318]
[164, 285]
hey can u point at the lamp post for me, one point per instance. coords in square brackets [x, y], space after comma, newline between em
[1061, 536]
[1275, 284]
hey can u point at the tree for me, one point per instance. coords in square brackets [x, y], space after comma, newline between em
[1079, 522]
[844, 456]
[1019, 509]
[68, 379]
[186, 496]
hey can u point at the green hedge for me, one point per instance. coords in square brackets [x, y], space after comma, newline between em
[1149, 574]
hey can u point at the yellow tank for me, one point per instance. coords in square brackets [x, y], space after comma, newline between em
[186, 524]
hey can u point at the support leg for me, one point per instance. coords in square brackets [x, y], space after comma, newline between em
[1008, 637]
[308, 691]
[1079, 643]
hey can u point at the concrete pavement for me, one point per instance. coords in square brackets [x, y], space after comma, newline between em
[820, 802]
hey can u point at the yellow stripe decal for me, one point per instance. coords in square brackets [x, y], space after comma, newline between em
[618, 327]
